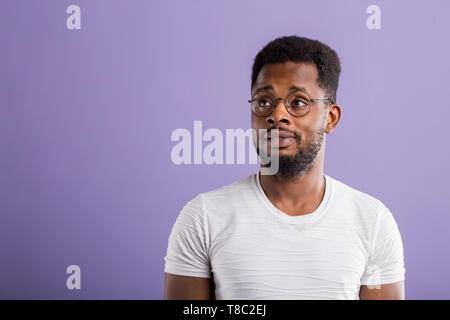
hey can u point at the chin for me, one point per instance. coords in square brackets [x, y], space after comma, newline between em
[286, 151]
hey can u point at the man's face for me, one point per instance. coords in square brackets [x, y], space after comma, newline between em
[296, 154]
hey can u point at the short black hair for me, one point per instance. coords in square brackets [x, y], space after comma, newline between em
[300, 49]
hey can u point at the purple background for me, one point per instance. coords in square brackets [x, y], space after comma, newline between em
[86, 118]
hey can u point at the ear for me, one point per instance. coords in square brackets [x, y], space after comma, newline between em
[333, 117]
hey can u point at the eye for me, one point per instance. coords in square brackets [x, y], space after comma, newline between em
[299, 103]
[263, 102]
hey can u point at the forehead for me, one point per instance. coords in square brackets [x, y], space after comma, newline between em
[282, 75]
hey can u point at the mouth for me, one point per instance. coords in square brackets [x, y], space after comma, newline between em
[285, 139]
[281, 134]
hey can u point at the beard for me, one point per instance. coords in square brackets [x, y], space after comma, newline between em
[298, 164]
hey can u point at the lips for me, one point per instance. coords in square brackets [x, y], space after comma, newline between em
[281, 135]
[284, 139]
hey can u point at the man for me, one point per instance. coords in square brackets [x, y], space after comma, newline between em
[298, 234]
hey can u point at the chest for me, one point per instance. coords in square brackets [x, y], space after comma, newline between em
[289, 259]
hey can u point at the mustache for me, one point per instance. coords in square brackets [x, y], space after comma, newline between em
[295, 134]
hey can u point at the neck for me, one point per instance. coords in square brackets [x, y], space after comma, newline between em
[296, 195]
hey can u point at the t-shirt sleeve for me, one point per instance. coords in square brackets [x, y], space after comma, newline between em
[187, 251]
[386, 264]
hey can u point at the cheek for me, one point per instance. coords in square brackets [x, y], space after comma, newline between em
[308, 132]
[257, 122]
[311, 123]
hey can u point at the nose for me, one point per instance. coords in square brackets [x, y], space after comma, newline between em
[279, 114]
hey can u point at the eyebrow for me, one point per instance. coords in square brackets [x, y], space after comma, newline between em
[270, 88]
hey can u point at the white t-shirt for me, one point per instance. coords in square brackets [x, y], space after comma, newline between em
[255, 251]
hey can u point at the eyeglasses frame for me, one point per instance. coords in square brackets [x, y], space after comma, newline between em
[287, 106]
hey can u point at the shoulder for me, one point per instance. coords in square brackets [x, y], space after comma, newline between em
[229, 195]
[240, 187]
[361, 205]
[226, 201]
[364, 213]
[347, 192]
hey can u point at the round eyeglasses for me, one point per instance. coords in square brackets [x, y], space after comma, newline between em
[297, 103]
